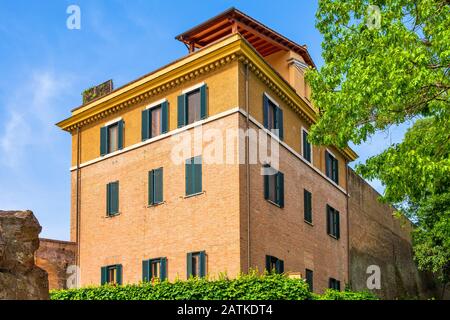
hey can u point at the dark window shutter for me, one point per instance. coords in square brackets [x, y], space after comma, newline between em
[145, 128]
[279, 124]
[266, 111]
[280, 189]
[307, 198]
[329, 219]
[336, 170]
[306, 147]
[164, 117]
[268, 260]
[310, 279]
[197, 166]
[119, 274]
[158, 185]
[338, 285]
[203, 102]
[202, 264]
[104, 276]
[181, 111]
[330, 283]
[115, 197]
[151, 187]
[337, 222]
[189, 265]
[120, 126]
[327, 164]
[145, 271]
[266, 186]
[280, 266]
[189, 177]
[103, 140]
[163, 269]
[108, 199]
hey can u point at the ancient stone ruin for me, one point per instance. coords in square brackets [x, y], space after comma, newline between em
[20, 278]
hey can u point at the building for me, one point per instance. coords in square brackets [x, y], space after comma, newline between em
[142, 210]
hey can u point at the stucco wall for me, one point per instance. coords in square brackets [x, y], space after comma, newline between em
[378, 238]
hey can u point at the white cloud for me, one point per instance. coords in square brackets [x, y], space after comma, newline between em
[31, 110]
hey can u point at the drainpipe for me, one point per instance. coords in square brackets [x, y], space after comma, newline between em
[348, 221]
[77, 206]
[247, 163]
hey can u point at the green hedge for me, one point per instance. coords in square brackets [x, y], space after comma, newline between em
[245, 287]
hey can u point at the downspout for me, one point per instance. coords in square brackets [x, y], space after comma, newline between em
[77, 206]
[348, 222]
[247, 163]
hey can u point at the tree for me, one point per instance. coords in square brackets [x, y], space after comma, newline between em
[385, 63]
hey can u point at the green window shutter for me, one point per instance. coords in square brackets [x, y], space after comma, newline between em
[181, 111]
[120, 127]
[197, 166]
[103, 140]
[337, 223]
[114, 198]
[329, 212]
[280, 189]
[164, 117]
[280, 266]
[151, 183]
[163, 269]
[203, 102]
[188, 177]
[336, 170]
[104, 276]
[145, 270]
[158, 185]
[279, 123]
[266, 186]
[108, 199]
[327, 164]
[145, 130]
[189, 264]
[306, 147]
[266, 111]
[307, 198]
[119, 274]
[202, 264]
[268, 260]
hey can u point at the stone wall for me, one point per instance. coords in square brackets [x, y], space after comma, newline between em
[55, 257]
[378, 238]
[20, 278]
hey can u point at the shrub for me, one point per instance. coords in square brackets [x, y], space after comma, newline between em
[244, 287]
[331, 294]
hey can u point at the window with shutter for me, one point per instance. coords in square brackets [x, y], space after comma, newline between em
[307, 202]
[196, 264]
[273, 117]
[155, 186]
[111, 274]
[309, 277]
[273, 264]
[333, 223]
[306, 146]
[192, 106]
[154, 269]
[274, 188]
[112, 198]
[111, 137]
[331, 167]
[193, 175]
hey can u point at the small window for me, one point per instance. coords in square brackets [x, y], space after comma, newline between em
[155, 186]
[273, 117]
[306, 146]
[111, 274]
[332, 167]
[112, 198]
[192, 106]
[307, 203]
[309, 278]
[196, 264]
[333, 223]
[273, 264]
[111, 138]
[155, 121]
[334, 284]
[274, 187]
[194, 176]
[154, 269]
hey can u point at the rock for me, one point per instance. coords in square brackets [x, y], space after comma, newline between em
[20, 278]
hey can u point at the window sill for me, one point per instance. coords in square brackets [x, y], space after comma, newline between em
[194, 195]
[156, 204]
[109, 216]
[334, 237]
[274, 203]
[309, 223]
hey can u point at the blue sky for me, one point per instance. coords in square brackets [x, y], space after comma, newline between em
[45, 67]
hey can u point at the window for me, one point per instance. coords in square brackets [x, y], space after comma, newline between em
[307, 203]
[333, 227]
[194, 176]
[274, 187]
[334, 284]
[111, 274]
[309, 277]
[332, 167]
[155, 120]
[274, 264]
[196, 264]
[111, 137]
[155, 186]
[192, 106]
[112, 198]
[306, 146]
[273, 116]
[154, 269]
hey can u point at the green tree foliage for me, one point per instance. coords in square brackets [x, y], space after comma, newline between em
[245, 287]
[376, 76]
